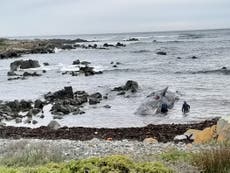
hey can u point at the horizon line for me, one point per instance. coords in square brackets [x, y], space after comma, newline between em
[117, 33]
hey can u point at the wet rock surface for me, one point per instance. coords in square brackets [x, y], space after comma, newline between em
[24, 64]
[161, 53]
[129, 86]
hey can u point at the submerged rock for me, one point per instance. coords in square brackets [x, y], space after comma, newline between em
[76, 62]
[26, 74]
[132, 39]
[161, 53]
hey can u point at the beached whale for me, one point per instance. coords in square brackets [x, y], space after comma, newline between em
[153, 103]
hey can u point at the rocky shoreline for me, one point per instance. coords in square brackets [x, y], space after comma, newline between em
[13, 48]
[162, 133]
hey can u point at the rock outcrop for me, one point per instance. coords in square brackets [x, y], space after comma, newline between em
[24, 64]
[129, 86]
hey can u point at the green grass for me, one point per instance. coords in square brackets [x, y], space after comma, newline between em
[23, 154]
[175, 155]
[110, 164]
[213, 160]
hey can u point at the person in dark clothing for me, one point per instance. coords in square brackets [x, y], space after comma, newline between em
[164, 108]
[41, 107]
[185, 108]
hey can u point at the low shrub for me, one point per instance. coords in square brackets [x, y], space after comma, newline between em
[175, 155]
[111, 164]
[213, 160]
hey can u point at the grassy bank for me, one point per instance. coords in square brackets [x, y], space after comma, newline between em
[38, 157]
[111, 164]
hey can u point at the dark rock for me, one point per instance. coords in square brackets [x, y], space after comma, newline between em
[67, 92]
[93, 101]
[42, 116]
[28, 121]
[59, 107]
[95, 98]
[108, 45]
[18, 120]
[107, 106]
[46, 64]
[96, 95]
[11, 73]
[34, 122]
[35, 111]
[194, 57]
[88, 71]
[29, 114]
[161, 53]
[133, 39]
[43, 71]
[34, 74]
[79, 40]
[85, 63]
[64, 107]
[38, 104]
[24, 64]
[59, 117]
[14, 105]
[129, 86]
[25, 105]
[121, 93]
[178, 57]
[224, 68]
[67, 47]
[82, 112]
[81, 97]
[115, 66]
[120, 45]
[95, 46]
[76, 62]
[15, 78]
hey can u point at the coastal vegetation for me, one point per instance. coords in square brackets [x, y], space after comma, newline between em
[113, 164]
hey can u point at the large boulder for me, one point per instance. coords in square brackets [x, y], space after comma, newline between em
[24, 64]
[129, 86]
[223, 131]
[67, 92]
[65, 107]
[202, 136]
[54, 125]
[95, 98]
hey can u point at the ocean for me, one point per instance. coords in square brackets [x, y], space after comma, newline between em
[199, 81]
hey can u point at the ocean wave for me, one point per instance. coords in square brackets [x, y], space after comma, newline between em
[119, 70]
[169, 41]
[218, 71]
[141, 51]
[223, 70]
[190, 36]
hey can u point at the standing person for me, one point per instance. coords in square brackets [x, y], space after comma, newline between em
[41, 107]
[164, 108]
[185, 107]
